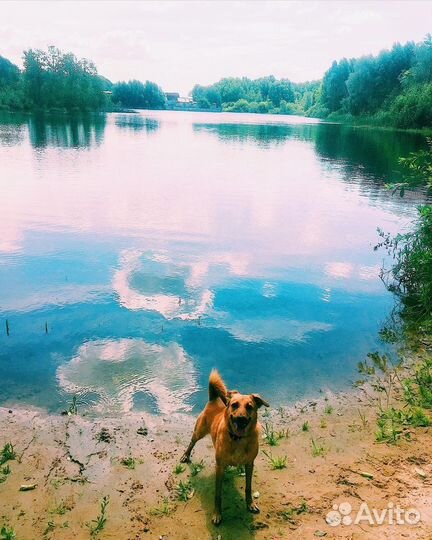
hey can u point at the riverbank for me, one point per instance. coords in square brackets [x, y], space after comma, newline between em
[73, 462]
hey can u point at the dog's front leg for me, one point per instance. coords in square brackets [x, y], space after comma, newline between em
[217, 515]
[251, 506]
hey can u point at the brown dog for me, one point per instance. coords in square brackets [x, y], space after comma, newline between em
[232, 420]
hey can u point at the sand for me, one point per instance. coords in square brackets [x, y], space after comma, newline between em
[74, 467]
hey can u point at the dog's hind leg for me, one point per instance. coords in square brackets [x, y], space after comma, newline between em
[200, 431]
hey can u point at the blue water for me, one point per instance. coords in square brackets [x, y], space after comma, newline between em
[138, 251]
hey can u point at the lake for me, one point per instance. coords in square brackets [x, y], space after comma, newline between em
[138, 251]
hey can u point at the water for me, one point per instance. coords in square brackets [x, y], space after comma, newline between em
[155, 246]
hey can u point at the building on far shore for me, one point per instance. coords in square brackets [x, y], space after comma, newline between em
[177, 102]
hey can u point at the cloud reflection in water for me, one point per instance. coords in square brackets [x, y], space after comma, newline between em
[118, 370]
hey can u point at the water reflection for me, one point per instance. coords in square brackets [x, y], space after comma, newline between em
[263, 136]
[66, 131]
[137, 122]
[215, 243]
[12, 128]
[118, 370]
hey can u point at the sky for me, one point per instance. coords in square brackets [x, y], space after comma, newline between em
[181, 43]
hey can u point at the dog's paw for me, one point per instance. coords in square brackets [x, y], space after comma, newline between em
[253, 507]
[185, 458]
[217, 518]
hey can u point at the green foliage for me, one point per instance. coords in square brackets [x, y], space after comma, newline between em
[305, 426]
[58, 81]
[418, 388]
[328, 409]
[393, 88]
[164, 509]
[179, 468]
[410, 276]
[196, 468]
[270, 434]
[7, 533]
[293, 511]
[7, 453]
[264, 95]
[276, 462]
[128, 462]
[334, 86]
[136, 95]
[318, 450]
[184, 491]
[97, 525]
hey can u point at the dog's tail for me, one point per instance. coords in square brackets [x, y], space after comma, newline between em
[217, 387]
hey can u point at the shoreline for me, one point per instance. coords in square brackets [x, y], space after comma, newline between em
[75, 461]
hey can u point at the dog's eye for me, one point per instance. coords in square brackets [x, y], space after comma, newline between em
[249, 406]
[234, 405]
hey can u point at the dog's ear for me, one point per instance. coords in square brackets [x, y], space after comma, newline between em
[260, 401]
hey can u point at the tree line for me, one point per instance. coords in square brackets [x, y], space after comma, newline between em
[55, 81]
[264, 95]
[392, 88]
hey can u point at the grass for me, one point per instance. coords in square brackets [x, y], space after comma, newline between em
[328, 409]
[270, 434]
[164, 509]
[306, 426]
[179, 468]
[277, 463]
[292, 512]
[7, 533]
[7, 454]
[239, 470]
[323, 423]
[97, 525]
[363, 419]
[318, 450]
[104, 436]
[196, 468]
[5, 472]
[128, 462]
[184, 491]
[61, 509]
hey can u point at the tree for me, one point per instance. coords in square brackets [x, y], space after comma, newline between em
[136, 95]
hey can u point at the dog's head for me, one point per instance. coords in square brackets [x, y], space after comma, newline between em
[242, 411]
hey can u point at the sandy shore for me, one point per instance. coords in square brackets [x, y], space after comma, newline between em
[75, 461]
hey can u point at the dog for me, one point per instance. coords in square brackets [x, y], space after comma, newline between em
[232, 420]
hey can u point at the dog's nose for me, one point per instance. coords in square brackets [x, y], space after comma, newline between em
[242, 421]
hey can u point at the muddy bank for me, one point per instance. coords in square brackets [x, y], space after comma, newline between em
[331, 458]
